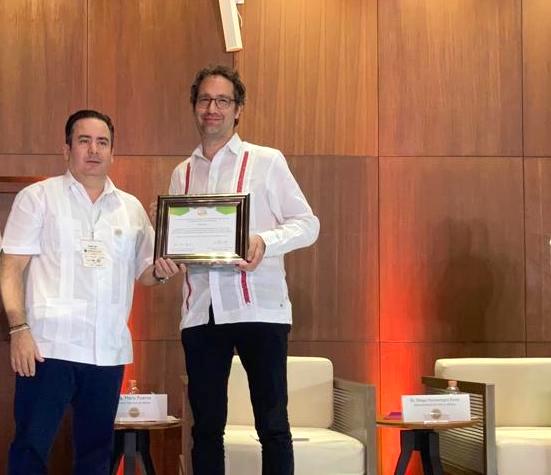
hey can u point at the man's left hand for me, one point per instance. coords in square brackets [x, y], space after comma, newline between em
[257, 247]
[164, 269]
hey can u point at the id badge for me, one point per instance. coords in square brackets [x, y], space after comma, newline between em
[93, 253]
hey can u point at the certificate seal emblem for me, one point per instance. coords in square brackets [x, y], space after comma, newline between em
[133, 412]
[435, 414]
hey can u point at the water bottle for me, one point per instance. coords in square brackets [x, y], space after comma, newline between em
[452, 387]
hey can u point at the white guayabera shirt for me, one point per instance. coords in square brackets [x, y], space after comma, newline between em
[279, 213]
[78, 313]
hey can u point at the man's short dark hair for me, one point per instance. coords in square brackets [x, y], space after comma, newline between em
[87, 114]
[230, 74]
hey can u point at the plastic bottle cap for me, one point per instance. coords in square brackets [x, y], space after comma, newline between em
[133, 386]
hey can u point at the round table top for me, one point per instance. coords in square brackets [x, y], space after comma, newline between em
[169, 423]
[400, 424]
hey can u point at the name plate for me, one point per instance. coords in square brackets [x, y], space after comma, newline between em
[436, 408]
[142, 407]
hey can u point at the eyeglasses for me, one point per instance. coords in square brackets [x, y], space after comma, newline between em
[221, 102]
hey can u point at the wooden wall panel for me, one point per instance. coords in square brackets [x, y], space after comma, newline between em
[352, 360]
[145, 177]
[6, 200]
[157, 368]
[143, 57]
[336, 280]
[536, 19]
[35, 165]
[538, 350]
[42, 72]
[452, 249]
[156, 311]
[6, 402]
[175, 369]
[149, 366]
[311, 73]
[538, 248]
[450, 77]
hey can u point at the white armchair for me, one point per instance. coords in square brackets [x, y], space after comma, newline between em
[332, 422]
[513, 395]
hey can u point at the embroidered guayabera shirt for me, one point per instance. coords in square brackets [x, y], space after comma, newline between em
[279, 213]
[77, 312]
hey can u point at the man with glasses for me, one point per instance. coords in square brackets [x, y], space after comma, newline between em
[244, 307]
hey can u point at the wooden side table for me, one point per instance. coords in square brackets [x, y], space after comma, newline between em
[424, 438]
[132, 443]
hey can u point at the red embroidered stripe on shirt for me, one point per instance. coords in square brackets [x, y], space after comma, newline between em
[188, 173]
[244, 285]
[242, 172]
[188, 291]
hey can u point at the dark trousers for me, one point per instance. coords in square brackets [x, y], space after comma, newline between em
[40, 402]
[262, 348]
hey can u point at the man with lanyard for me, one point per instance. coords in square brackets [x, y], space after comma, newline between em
[244, 307]
[82, 243]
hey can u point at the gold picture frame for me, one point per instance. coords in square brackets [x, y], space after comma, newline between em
[202, 229]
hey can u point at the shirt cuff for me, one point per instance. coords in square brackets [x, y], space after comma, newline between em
[26, 251]
[143, 265]
[270, 240]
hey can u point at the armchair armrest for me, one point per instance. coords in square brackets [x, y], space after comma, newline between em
[354, 414]
[469, 450]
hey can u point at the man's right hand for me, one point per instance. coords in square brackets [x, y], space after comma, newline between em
[24, 352]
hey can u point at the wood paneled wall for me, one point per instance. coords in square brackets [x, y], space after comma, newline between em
[418, 130]
[450, 78]
[134, 61]
[434, 239]
[311, 72]
[42, 72]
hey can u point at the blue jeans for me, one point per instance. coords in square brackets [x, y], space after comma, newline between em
[40, 402]
[262, 348]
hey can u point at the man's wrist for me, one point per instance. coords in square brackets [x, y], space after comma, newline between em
[18, 328]
[161, 280]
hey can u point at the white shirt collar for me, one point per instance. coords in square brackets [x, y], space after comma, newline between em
[69, 181]
[233, 145]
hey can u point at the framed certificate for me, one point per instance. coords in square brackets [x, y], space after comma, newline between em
[202, 229]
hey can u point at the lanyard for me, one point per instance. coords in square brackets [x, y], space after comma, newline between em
[94, 220]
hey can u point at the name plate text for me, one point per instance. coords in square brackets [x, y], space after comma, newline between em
[436, 408]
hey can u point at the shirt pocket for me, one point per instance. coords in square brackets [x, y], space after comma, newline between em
[124, 241]
[65, 321]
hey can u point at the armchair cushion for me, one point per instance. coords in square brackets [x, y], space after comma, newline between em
[310, 388]
[522, 386]
[316, 451]
[523, 450]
